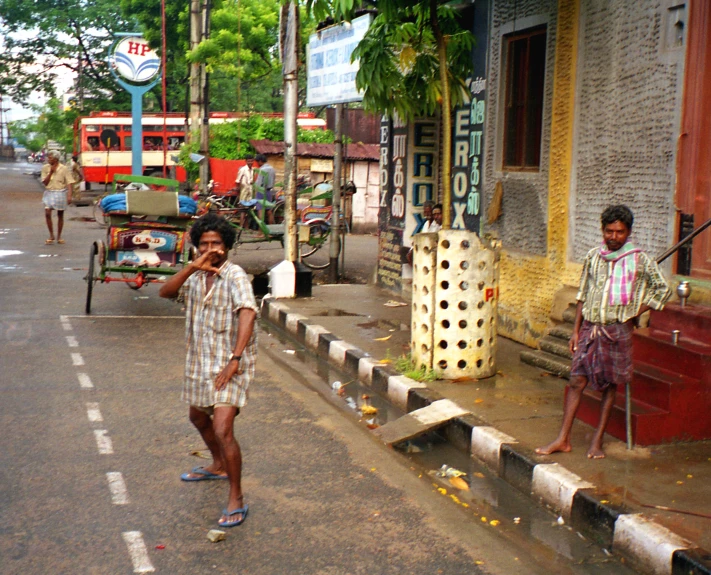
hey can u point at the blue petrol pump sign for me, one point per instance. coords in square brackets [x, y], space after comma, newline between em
[136, 67]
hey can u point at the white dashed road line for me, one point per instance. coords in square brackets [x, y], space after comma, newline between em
[103, 442]
[85, 381]
[65, 323]
[93, 412]
[77, 359]
[119, 493]
[138, 552]
[72, 341]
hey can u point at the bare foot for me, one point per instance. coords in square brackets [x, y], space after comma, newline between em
[557, 445]
[596, 452]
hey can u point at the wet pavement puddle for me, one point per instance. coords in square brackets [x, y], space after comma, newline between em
[490, 499]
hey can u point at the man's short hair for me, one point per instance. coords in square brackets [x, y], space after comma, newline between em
[213, 223]
[428, 204]
[619, 213]
[75, 158]
[261, 158]
[53, 154]
[436, 207]
[249, 157]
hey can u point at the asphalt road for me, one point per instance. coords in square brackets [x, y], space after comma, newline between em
[95, 438]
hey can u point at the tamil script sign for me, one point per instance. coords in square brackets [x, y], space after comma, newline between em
[331, 76]
[134, 59]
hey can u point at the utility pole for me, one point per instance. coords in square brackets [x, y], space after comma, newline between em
[336, 213]
[290, 62]
[199, 20]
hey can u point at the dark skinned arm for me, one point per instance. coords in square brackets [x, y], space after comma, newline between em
[245, 328]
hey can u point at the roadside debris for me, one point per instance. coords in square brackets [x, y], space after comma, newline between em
[290, 351]
[366, 408]
[393, 303]
[216, 535]
[447, 471]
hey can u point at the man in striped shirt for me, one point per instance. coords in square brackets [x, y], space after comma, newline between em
[618, 283]
[221, 352]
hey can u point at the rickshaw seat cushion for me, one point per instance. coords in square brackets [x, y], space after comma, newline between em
[152, 203]
[148, 239]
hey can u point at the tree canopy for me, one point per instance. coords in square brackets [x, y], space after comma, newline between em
[43, 40]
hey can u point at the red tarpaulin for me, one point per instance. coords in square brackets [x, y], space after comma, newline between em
[224, 173]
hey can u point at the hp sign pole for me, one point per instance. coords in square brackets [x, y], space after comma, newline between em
[136, 68]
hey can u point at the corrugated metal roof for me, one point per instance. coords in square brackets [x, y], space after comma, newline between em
[350, 151]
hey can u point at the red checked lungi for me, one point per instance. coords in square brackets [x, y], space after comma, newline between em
[604, 354]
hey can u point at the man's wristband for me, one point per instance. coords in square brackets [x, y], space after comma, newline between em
[236, 358]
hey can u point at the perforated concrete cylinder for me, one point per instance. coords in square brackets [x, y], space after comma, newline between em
[424, 263]
[466, 301]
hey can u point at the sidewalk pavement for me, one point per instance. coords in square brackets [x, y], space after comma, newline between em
[512, 413]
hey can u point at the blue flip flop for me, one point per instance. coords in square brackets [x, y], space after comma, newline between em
[202, 475]
[244, 510]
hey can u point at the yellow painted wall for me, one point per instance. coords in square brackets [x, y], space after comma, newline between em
[529, 283]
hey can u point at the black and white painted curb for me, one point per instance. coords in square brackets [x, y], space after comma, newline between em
[652, 548]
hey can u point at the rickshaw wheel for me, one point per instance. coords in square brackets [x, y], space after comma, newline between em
[90, 277]
[319, 231]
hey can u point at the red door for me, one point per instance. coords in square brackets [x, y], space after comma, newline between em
[694, 158]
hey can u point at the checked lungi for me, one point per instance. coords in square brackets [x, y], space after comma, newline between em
[55, 199]
[604, 354]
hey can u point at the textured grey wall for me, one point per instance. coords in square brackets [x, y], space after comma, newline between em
[523, 224]
[627, 110]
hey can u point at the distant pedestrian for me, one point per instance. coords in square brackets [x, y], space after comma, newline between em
[221, 353]
[618, 283]
[244, 184]
[436, 224]
[426, 226]
[77, 177]
[264, 185]
[57, 179]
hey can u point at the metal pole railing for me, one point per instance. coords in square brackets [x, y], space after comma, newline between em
[683, 242]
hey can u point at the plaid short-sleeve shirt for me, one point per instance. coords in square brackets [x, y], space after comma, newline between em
[211, 322]
[649, 288]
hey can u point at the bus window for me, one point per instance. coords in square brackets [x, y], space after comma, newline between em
[152, 143]
[174, 142]
[92, 127]
[93, 143]
[127, 142]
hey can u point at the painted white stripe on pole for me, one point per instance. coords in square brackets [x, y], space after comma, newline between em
[85, 381]
[103, 442]
[119, 494]
[72, 341]
[93, 412]
[77, 359]
[138, 552]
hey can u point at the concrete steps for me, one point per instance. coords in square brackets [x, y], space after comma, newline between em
[554, 355]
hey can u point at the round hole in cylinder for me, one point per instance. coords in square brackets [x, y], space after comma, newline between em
[424, 348]
[463, 305]
[464, 265]
[461, 364]
[414, 268]
[445, 323]
[480, 285]
[463, 324]
[425, 290]
[445, 264]
[480, 323]
[442, 364]
[424, 309]
[444, 285]
[482, 265]
[444, 304]
[424, 328]
[479, 342]
[491, 361]
[445, 244]
[479, 362]
[443, 344]
[465, 244]
[414, 307]
[427, 250]
[425, 270]
[462, 344]
[491, 320]
[480, 304]
[464, 286]
[491, 340]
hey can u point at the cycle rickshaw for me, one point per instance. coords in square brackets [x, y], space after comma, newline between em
[147, 237]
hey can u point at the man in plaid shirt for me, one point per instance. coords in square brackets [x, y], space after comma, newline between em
[618, 283]
[221, 353]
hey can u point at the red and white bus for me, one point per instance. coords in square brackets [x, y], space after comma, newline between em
[100, 164]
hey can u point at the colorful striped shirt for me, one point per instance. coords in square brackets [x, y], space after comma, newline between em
[649, 288]
[211, 323]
